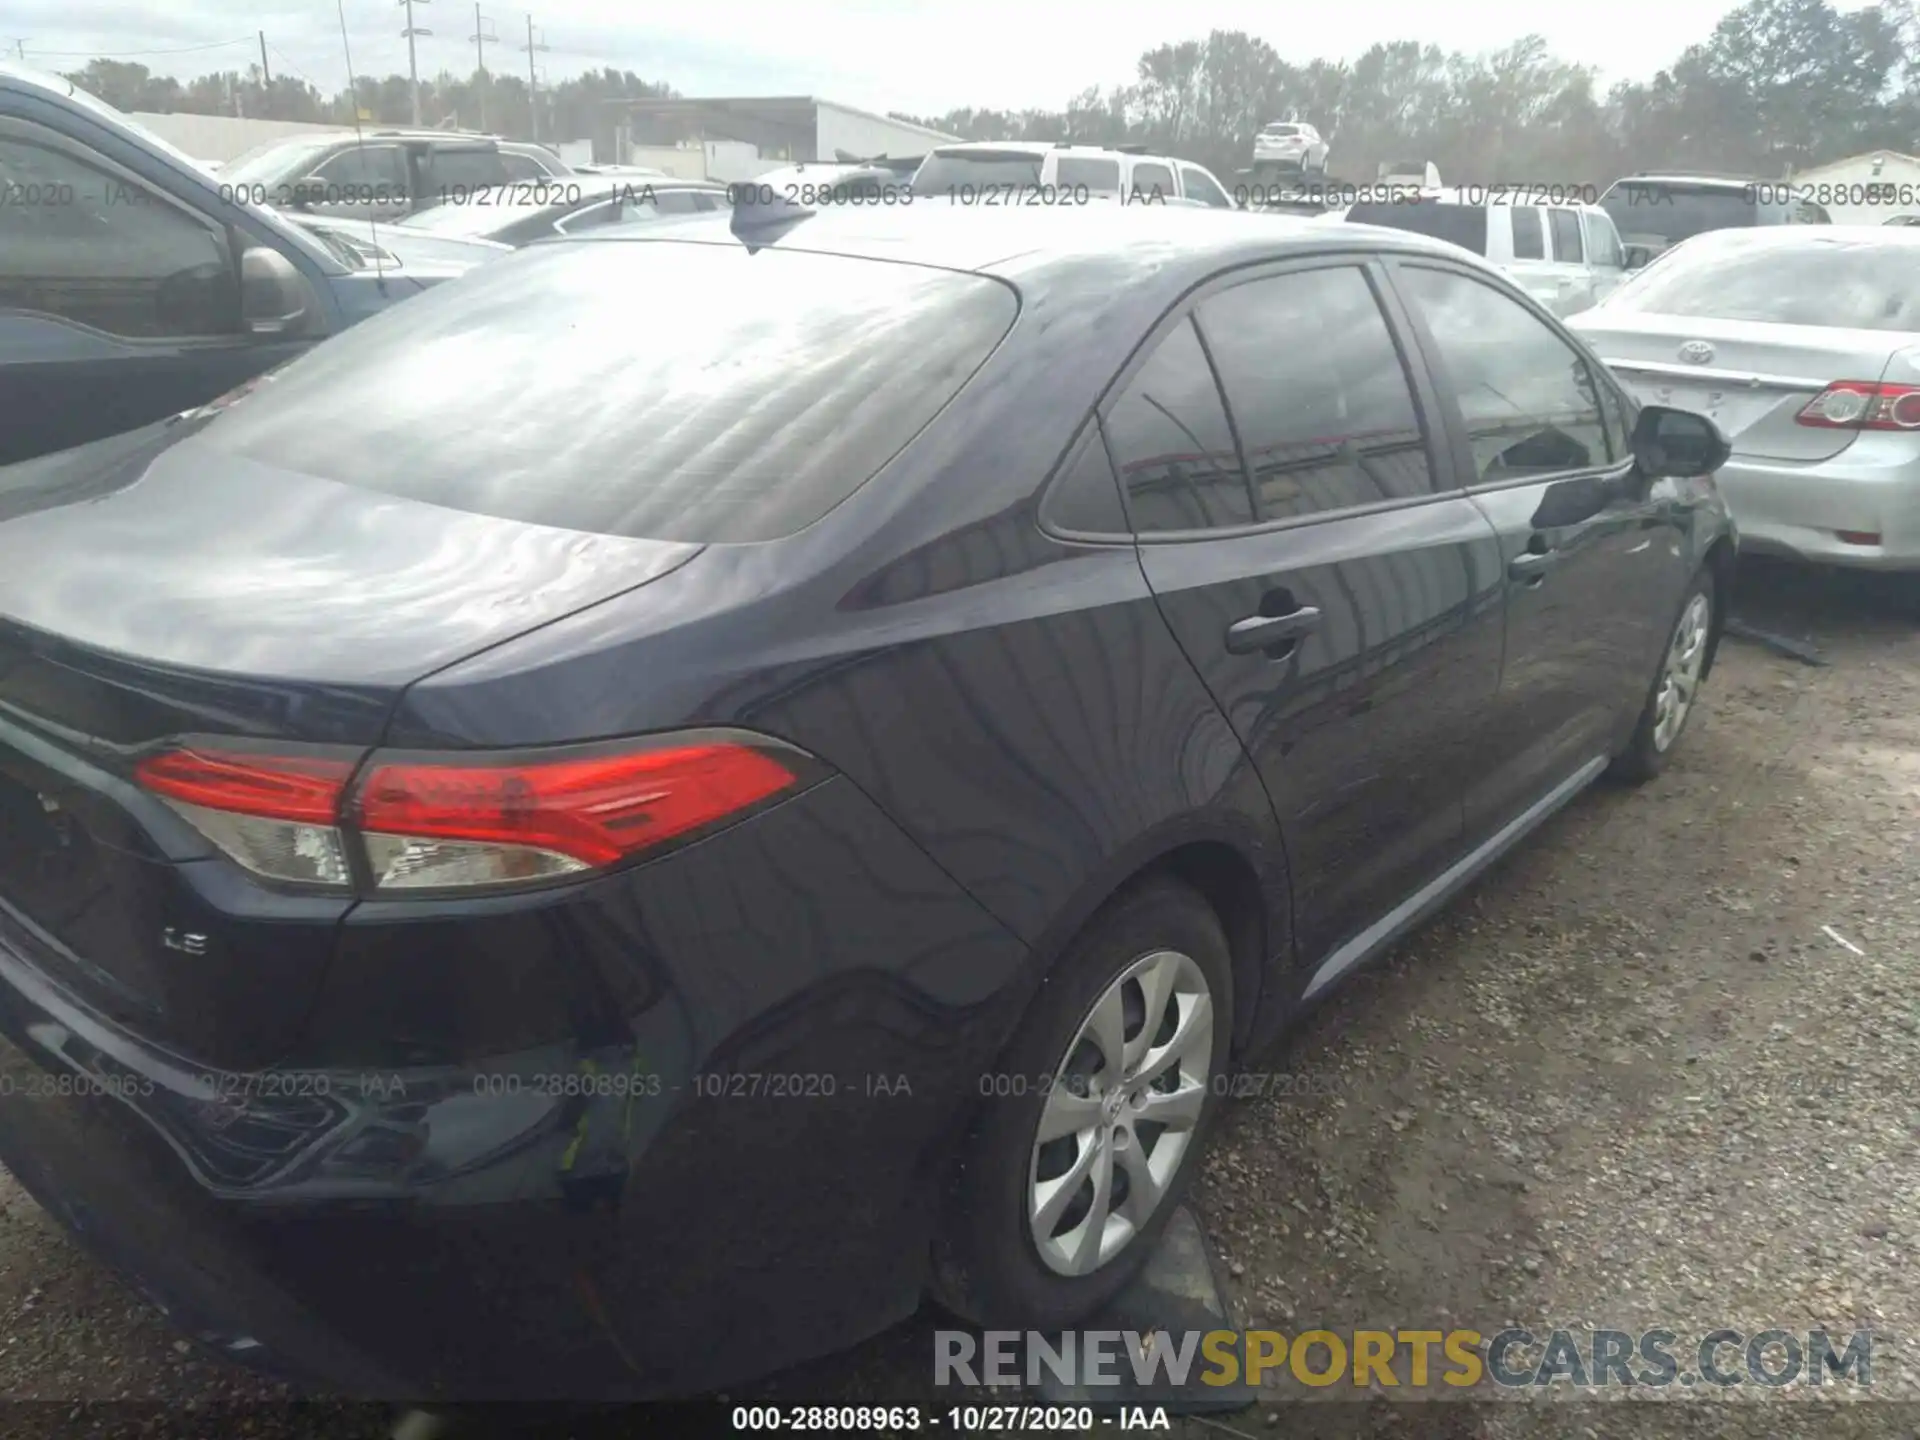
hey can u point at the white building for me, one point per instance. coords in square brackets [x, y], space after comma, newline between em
[220, 138]
[1866, 189]
[737, 139]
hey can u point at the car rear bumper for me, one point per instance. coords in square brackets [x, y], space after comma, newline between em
[743, 1176]
[1801, 510]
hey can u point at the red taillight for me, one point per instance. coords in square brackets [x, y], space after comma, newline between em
[595, 811]
[276, 814]
[1863, 405]
[439, 821]
[274, 787]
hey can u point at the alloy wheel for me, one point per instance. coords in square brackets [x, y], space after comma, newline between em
[1121, 1113]
[1680, 672]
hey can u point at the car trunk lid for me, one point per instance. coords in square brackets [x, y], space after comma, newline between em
[151, 588]
[1752, 378]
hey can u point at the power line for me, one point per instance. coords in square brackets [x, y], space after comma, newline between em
[135, 54]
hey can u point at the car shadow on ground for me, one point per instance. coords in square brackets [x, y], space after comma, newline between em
[1808, 603]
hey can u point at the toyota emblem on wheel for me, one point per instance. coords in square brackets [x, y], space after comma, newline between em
[1697, 352]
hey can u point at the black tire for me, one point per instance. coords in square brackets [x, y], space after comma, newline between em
[1645, 757]
[987, 1266]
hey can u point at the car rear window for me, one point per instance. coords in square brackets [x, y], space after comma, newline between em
[1847, 284]
[672, 391]
[1661, 214]
[1283, 130]
[945, 169]
[1463, 225]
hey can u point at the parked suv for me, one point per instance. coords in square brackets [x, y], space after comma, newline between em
[1654, 212]
[985, 168]
[378, 174]
[134, 285]
[576, 847]
[1566, 256]
[1290, 145]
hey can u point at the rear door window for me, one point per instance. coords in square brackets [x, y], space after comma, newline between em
[760, 390]
[1100, 176]
[467, 167]
[1565, 225]
[364, 172]
[1529, 240]
[1151, 183]
[1329, 426]
[1172, 445]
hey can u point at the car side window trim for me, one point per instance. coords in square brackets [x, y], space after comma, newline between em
[1089, 433]
[1451, 413]
[1441, 461]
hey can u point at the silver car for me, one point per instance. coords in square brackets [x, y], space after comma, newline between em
[1292, 144]
[1803, 344]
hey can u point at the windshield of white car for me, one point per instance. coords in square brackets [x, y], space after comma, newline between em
[1661, 214]
[1462, 225]
[1864, 284]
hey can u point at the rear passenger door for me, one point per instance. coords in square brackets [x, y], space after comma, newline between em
[1592, 555]
[1335, 592]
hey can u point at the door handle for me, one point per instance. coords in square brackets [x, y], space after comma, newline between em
[1533, 565]
[1266, 632]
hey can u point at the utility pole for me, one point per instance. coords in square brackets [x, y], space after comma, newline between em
[533, 81]
[413, 64]
[481, 39]
[266, 75]
[20, 48]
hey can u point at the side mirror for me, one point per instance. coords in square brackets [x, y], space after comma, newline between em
[275, 298]
[1638, 255]
[1677, 443]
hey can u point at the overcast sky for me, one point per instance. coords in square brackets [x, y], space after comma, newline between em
[920, 56]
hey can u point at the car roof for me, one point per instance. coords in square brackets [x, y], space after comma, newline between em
[1453, 195]
[1703, 182]
[1047, 147]
[1166, 248]
[1804, 237]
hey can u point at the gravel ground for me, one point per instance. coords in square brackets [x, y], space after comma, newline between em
[1656, 1070]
